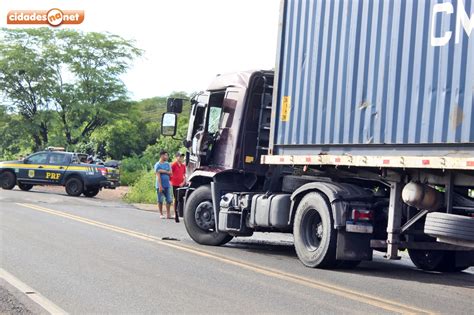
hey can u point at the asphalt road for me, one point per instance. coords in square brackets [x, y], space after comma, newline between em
[95, 256]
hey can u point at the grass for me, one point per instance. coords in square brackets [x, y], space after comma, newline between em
[143, 190]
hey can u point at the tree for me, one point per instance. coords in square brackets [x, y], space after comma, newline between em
[13, 139]
[72, 75]
[26, 79]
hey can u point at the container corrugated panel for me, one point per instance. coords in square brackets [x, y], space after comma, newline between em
[375, 77]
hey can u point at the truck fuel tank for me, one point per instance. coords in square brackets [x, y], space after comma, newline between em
[270, 210]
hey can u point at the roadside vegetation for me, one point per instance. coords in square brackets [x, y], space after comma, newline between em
[63, 88]
[143, 190]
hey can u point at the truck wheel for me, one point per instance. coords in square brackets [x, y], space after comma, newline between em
[448, 225]
[435, 260]
[74, 187]
[91, 192]
[7, 180]
[25, 187]
[315, 236]
[199, 219]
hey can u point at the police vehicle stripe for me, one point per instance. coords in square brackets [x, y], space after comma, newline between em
[48, 167]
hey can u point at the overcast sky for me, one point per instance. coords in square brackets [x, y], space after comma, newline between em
[186, 42]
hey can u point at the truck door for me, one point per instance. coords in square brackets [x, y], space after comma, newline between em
[207, 132]
[56, 166]
[34, 169]
[212, 131]
[195, 134]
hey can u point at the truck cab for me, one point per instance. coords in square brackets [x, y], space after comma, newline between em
[228, 133]
[223, 132]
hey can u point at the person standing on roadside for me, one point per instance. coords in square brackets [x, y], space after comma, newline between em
[177, 180]
[163, 185]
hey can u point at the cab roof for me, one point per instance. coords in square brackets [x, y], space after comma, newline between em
[234, 79]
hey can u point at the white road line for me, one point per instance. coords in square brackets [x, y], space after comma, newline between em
[49, 306]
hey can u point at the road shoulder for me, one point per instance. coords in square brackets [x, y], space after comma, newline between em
[13, 301]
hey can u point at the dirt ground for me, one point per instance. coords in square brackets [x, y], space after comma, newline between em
[105, 194]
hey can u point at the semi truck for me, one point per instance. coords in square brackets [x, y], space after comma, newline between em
[360, 140]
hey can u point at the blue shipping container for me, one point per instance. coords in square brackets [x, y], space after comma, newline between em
[375, 77]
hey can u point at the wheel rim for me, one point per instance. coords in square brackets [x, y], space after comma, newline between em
[5, 180]
[313, 228]
[428, 259]
[74, 187]
[204, 216]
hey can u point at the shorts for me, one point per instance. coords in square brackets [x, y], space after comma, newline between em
[165, 195]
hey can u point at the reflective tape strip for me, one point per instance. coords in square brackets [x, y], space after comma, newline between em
[48, 167]
[459, 163]
[32, 166]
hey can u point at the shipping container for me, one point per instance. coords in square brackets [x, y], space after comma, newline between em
[374, 77]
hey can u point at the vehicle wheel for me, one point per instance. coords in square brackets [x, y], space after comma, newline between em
[199, 219]
[314, 234]
[74, 186]
[448, 225]
[435, 260]
[25, 187]
[91, 192]
[7, 180]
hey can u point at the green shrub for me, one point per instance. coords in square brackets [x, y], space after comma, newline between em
[129, 178]
[132, 168]
[143, 190]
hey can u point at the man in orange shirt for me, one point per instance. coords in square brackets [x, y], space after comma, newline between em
[178, 179]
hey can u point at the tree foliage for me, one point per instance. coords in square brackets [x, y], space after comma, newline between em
[64, 77]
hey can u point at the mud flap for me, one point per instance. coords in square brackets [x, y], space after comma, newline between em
[353, 246]
[182, 192]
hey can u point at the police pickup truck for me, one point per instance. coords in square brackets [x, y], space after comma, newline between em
[58, 168]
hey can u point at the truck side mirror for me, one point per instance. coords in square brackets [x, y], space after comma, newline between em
[174, 105]
[168, 124]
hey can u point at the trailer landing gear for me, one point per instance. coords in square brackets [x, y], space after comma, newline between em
[394, 221]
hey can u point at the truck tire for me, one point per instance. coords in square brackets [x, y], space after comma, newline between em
[314, 233]
[7, 180]
[25, 187]
[74, 186]
[199, 219]
[91, 192]
[448, 225]
[435, 260]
